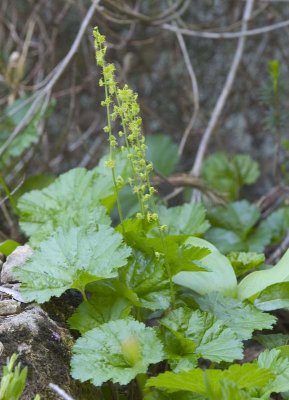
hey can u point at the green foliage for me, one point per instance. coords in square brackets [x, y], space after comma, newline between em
[274, 361]
[70, 260]
[234, 228]
[273, 340]
[217, 274]
[13, 380]
[242, 318]
[162, 145]
[228, 175]
[210, 337]
[246, 376]
[244, 262]
[256, 282]
[188, 219]
[274, 297]
[13, 115]
[8, 246]
[73, 199]
[118, 351]
[103, 306]
[155, 295]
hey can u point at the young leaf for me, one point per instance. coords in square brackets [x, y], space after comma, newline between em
[274, 361]
[257, 281]
[243, 262]
[246, 376]
[146, 277]
[188, 219]
[230, 391]
[99, 309]
[211, 338]
[73, 199]
[71, 259]
[241, 318]
[8, 246]
[218, 274]
[179, 255]
[13, 380]
[118, 351]
[274, 297]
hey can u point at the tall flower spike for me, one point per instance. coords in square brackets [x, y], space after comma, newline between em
[122, 104]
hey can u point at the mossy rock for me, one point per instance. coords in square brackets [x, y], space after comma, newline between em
[45, 348]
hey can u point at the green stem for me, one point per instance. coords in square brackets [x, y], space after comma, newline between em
[141, 381]
[120, 213]
[8, 193]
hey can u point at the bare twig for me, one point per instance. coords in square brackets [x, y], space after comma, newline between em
[60, 392]
[195, 91]
[225, 92]
[43, 94]
[228, 35]
[279, 251]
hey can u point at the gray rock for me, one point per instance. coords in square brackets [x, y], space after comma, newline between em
[44, 346]
[16, 259]
[9, 307]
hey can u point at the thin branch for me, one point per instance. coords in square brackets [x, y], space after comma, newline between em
[225, 92]
[60, 392]
[280, 250]
[195, 91]
[45, 92]
[228, 35]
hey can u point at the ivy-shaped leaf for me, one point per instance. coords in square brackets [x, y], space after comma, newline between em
[118, 351]
[71, 259]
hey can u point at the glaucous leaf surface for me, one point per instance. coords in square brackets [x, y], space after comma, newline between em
[212, 339]
[73, 199]
[118, 351]
[274, 361]
[242, 318]
[71, 259]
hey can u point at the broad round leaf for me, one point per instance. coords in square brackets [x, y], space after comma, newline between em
[118, 351]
